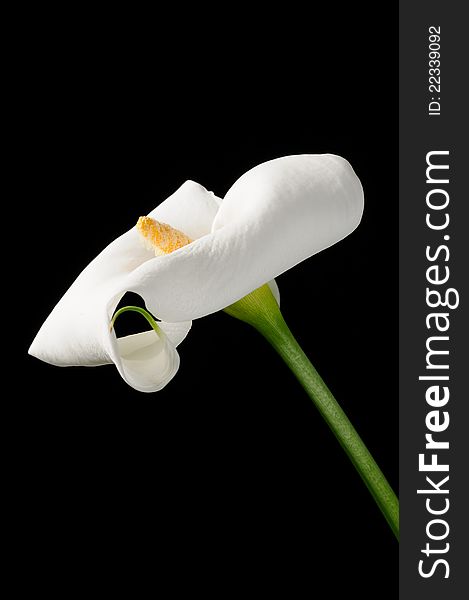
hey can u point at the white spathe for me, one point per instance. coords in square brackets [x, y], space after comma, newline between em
[276, 215]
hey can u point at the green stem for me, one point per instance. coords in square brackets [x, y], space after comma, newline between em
[260, 310]
[140, 311]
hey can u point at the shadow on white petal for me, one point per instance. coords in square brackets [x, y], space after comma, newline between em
[176, 332]
[146, 361]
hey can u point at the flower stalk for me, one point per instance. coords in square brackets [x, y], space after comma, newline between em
[260, 310]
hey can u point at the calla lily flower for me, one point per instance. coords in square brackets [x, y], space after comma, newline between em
[195, 254]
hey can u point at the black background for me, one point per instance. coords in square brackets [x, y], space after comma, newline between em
[228, 479]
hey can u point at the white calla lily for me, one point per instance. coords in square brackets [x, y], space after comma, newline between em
[194, 255]
[276, 215]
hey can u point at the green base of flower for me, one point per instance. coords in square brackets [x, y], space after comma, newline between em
[261, 310]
